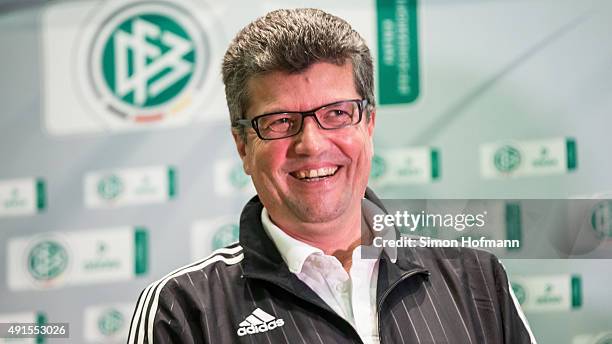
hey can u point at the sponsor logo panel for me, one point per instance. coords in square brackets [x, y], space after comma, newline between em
[130, 186]
[554, 293]
[528, 158]
[60, 259]
[23, 196]
[418, 165]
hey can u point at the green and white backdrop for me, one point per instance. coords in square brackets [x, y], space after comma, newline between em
[117, 166]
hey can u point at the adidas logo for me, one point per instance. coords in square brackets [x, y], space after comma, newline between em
[257, 322]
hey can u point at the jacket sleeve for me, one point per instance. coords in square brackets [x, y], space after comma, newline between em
[515, 326]
[161, 317]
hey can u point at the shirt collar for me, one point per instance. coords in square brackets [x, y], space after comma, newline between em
[295, 252]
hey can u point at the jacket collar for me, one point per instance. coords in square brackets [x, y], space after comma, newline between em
[262, 258]
[392, 270]
[263, 261]
[405, 257]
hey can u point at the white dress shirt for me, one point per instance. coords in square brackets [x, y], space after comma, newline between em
[351, 295]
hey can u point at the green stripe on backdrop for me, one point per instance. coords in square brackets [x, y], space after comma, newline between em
[398, 51]
[171, 182]
[572, 154]
[41, 319]
[141, 250]
[514, 229]
[41, 196]
[576, 291]
[435, 164]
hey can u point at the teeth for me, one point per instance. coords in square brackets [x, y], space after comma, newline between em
[321, 172]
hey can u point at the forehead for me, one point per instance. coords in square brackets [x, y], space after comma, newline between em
[320, 84]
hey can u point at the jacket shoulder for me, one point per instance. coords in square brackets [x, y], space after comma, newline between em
[224, 261]
[168, 298]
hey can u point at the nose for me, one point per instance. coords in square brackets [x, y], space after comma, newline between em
[312, 139]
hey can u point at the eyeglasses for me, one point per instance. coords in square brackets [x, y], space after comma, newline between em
[279, 125]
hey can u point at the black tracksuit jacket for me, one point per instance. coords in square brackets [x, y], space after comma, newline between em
[429, 295]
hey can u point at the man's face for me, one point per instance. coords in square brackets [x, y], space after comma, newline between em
[278, 166]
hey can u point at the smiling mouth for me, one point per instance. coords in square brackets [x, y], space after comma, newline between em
[312, 175]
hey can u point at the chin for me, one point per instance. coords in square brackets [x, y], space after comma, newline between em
[319, 213]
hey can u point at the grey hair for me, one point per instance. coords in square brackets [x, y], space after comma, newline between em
[291, 40]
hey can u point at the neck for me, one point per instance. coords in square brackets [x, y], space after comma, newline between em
[338, 238]
[346, 256]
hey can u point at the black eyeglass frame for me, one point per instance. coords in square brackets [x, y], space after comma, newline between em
[252, 123]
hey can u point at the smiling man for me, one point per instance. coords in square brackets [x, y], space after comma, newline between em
[299, 87]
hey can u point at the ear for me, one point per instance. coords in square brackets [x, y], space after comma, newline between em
[241, 147]
[370, 128]
[372, 122]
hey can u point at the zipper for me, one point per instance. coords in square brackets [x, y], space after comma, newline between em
[384, 296]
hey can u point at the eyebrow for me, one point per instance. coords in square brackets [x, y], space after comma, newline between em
[280, 110]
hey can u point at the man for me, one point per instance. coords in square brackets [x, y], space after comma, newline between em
[299, 87]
